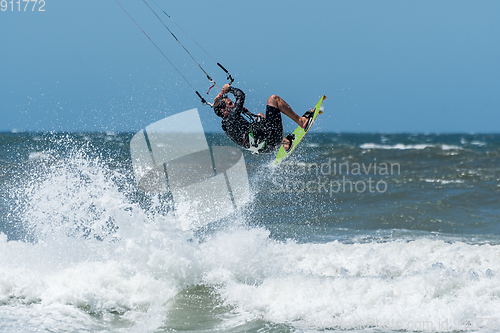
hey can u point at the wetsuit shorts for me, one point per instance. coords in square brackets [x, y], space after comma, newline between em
[273, 129]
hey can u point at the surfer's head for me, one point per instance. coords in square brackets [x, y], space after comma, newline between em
[222, 107]
[218, 107]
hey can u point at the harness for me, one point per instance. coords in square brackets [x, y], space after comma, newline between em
[254, 145]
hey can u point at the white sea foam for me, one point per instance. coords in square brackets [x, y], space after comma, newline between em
[312, 286]
[80, 275]
[38, 155]
[444, 181]
[401, 146]
[478, 143]
[312, 145]
[321, 286]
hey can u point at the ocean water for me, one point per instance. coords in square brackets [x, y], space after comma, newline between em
[358, 232]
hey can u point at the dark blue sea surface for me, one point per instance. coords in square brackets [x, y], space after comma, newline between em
[363, 232]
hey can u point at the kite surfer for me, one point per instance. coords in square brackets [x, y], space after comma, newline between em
[258, 133]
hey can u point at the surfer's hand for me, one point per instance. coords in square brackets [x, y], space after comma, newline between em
[225, 89]
[218, 97]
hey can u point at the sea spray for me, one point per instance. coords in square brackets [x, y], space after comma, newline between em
[92, 249]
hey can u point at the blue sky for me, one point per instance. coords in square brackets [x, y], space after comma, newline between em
[386, 66]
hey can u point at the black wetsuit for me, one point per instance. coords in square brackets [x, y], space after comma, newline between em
[252, 132]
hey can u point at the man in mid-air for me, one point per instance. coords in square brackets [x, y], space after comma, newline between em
[258, 133]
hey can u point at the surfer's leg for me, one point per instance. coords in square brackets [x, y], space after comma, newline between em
[280, 104]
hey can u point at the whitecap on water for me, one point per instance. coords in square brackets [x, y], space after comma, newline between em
[401, 146]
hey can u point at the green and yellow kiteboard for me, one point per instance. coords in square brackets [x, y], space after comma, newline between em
[299, 134]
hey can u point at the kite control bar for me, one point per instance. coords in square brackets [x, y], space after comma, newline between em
[229, 77]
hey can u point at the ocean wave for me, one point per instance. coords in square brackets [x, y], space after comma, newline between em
[99, 259]
[80, 274]
[307, 286]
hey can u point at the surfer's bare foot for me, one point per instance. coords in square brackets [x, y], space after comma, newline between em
[303, 122]
[305, 119]
[286, 144]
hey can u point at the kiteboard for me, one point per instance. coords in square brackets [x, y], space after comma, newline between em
[299, 134]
